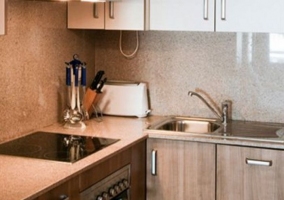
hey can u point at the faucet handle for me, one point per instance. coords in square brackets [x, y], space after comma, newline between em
[226, 106]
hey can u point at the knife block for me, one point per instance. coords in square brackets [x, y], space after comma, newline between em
[90, 103]
[88, 100]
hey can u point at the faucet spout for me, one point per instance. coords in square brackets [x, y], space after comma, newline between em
[224, 116]
[190, 93]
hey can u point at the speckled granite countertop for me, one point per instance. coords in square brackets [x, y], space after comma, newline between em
[24, 178]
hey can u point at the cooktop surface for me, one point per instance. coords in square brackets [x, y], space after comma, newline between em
[55, 146]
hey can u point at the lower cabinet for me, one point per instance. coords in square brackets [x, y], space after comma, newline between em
[180, 170]
[249, 173]
[135, 156]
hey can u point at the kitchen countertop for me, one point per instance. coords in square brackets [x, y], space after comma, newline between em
[24, 178]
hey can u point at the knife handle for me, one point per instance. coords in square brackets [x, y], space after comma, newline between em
[76, 72]
[68, 75]
[97, 79]
[83, 77]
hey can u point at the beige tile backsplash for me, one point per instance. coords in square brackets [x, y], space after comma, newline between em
[246, 68]
[32, 68]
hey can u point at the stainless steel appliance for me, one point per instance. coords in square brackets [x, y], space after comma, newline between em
[55, 146]
[114, 187]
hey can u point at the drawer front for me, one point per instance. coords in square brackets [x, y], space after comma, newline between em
[249, 173]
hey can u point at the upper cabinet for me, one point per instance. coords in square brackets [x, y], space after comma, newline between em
[181, 15]
[249, 16]
[2, 17]
[219, 15]
[86, 15]
[118, 15]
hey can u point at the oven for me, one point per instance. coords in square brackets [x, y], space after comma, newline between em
[114, 187]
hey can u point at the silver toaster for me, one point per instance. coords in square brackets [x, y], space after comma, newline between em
[124, 98]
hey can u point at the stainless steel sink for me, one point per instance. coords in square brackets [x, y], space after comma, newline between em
[238, 130]
[186, 124]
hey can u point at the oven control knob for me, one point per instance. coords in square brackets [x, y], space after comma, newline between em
[105, 196]
[125, 183]
[121, 185]
[112, 192]
[99, 197]
[117, 189]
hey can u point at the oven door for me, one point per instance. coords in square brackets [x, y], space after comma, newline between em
[114, 187]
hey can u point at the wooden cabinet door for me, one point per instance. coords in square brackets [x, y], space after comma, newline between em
[85, 15]
[124, 15]
[181, 15]
[249, 16]
[249, 173]
[119, 15]
[184, 170]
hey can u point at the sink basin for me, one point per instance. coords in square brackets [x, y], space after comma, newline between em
[185, 124]
[235, 130]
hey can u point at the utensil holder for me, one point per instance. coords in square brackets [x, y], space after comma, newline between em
[76, 85]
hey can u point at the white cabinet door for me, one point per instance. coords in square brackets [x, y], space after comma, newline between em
[121, 15]
[181, 15]
[249, 16]
[2, 17]
[86, 15]
[124, 15]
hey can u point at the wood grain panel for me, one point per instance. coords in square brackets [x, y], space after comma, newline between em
[185, 170]
[237, 180]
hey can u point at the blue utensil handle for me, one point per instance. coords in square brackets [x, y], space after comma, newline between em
[83, 77]
[68, 76]
[76, 72]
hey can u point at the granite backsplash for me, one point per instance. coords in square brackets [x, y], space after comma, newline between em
[246, 68]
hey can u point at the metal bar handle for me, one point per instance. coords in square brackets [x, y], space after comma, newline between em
[258, 162]
[111, 10]
[205, 11]
[223, 9]
[95, 11]
[154, 162]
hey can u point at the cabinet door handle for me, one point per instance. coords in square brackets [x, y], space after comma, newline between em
[205, 11]
[154, 162]
[223, 9]
[95, 11]
[111, 9]
[258, 162]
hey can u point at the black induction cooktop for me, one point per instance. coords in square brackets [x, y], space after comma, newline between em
[55, 146]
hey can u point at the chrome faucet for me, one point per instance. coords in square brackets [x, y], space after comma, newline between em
[225, 111]
[225, 108]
